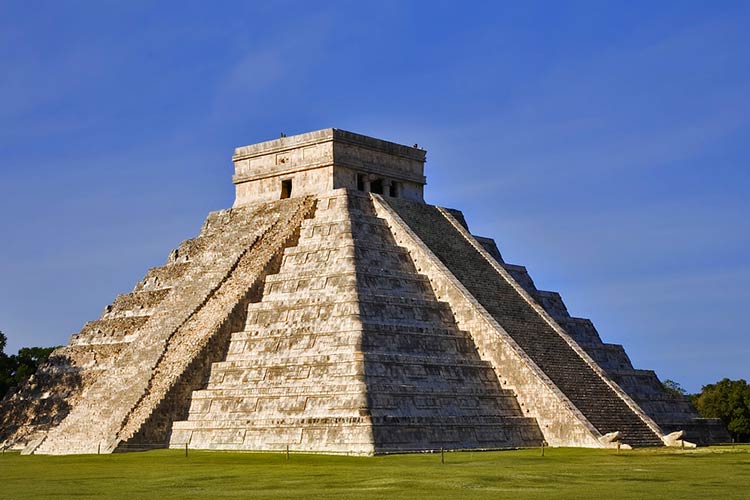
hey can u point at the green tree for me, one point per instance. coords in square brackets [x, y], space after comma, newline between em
[672, 387]
[728, 400]
[5, 366]
[17, 368]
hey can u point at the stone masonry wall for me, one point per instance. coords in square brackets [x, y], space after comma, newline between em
[47, 398]
[212, 257]
[203, 339]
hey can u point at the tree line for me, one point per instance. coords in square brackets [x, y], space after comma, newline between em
[728, 400]
[15, 369]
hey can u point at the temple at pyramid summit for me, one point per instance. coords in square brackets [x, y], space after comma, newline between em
[331, 310]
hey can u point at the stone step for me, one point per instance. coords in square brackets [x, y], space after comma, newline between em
[347, 342]
[334, 327]
[354, 248]
[345, 255]
[135, 304]
[373, 273]
[355, 434]
[285, 359]
[370, 299]
[343, 218]
[611, 357]
[327, 408]
[314, 230]
[109, 331]
[354, 387]
[552, 303]
[581, 329]
[371, 307]
[162, 277]
[292, 286]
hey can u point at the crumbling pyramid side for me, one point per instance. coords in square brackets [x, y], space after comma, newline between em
[133, 395]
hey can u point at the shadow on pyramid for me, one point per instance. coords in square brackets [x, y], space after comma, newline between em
[332, 311]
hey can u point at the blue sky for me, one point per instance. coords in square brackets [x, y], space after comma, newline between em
[604, 145]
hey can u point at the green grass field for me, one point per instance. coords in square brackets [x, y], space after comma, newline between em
[716, 473]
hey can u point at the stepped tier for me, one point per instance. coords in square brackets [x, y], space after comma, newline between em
[603, 405]
[56, 388]
[329, 329]
[672, 412]
[170, 329]
[349, 351]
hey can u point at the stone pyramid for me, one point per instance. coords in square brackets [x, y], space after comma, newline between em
[331, 310]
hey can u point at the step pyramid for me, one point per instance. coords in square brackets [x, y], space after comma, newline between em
[331, 310]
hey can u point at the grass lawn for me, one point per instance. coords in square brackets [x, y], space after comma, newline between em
[716, 473]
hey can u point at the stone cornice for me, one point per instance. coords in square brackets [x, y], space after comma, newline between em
[382, 171]
[328, 135]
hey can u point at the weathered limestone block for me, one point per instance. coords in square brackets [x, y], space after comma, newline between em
[141, 303]
[46, 399]
[162, 277]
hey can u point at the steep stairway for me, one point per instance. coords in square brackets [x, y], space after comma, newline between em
[672, 412]
[349, 351]
[583, 386]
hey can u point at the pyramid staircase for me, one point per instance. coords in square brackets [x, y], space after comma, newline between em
[602, 403]
[672, 412]
[349, 351]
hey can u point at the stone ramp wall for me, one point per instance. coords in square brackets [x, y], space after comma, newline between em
[204, 337]
[560, 421]
[94, 422]
[606, 409]
[427, 385]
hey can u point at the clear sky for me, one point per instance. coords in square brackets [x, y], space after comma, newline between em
[604, 145]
